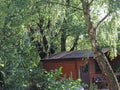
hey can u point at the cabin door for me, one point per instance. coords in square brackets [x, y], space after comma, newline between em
[84, 74]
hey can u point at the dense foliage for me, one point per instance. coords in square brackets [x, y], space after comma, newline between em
[28, 30]
[34, 29]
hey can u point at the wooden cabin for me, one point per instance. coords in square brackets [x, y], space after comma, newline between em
[77, 64]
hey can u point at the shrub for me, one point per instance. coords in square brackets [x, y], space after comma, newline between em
[49, 81]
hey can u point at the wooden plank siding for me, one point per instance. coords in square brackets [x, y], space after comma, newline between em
[70, 68]
[72, 64]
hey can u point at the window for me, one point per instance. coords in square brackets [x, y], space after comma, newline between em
[118, 78]
[97, 68]
[84, 68]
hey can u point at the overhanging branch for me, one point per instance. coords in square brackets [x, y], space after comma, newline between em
[102, 20]
[64, 5]
[91, 2]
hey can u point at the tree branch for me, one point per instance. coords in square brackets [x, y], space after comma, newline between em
[64, 4]
[75, 43]
[102, 20]
[91, 2]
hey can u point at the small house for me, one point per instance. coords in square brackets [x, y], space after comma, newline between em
[79, 64]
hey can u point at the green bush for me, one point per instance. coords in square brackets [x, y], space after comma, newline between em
[53, 81]
[93, 86]
[41, 80]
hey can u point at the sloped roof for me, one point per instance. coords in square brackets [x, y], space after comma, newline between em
[74, 54]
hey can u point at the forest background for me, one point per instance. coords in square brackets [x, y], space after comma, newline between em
[31, 30]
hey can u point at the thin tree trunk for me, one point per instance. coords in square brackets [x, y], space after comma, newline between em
[63, 40]
[75, 43]
[63, 31]
[99, 55]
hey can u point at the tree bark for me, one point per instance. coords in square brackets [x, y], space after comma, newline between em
[99, 55]
[63, 40]
[63, 31]
[75, 43]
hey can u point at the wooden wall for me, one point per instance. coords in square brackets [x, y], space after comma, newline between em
[70, 67]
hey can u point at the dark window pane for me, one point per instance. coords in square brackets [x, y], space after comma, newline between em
[97, 68]
[84, 68]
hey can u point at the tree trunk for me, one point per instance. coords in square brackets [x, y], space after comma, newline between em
[99, 55]
[63, 40]
[75, 43]
[63, 31]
